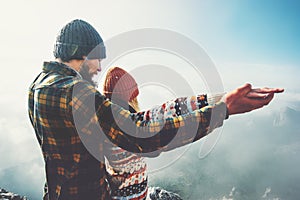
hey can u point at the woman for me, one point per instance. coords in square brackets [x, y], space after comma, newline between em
[126, 171]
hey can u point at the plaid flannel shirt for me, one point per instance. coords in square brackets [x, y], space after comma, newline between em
[68, 115]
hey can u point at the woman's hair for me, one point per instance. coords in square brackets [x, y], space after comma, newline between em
[134, 103]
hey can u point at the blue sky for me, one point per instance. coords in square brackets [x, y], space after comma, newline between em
[249, 31]
[254, 41]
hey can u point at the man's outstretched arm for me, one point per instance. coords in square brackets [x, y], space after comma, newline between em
[133, 134]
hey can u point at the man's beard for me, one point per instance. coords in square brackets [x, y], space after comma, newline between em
[84, 72]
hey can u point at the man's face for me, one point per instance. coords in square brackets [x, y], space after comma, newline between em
[94, 66]
[89, 69]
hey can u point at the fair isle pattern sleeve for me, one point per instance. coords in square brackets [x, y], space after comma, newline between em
[174, 108]
[144, 136]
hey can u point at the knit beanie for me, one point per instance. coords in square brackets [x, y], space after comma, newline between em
[77, 39]
[120, 84]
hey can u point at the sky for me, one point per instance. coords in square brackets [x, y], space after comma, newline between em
[247, 41]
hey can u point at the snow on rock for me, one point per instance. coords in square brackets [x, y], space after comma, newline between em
[156, 193]
[5, 195]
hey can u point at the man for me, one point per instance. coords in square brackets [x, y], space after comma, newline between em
[73, 122]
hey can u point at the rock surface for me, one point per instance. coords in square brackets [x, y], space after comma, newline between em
[5, 195]
[156, 193]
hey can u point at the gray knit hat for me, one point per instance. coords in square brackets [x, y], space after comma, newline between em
[77, 39]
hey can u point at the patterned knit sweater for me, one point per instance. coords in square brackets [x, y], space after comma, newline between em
[127, 175]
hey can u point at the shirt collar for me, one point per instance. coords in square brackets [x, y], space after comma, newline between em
[60, 68]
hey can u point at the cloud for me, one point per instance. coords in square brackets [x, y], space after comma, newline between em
[260, 75]
[21, 158]
[251, 157]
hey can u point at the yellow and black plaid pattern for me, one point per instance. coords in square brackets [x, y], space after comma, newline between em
[72, 172]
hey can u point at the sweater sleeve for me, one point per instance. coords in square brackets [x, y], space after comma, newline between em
[174, 108]
[135, 134]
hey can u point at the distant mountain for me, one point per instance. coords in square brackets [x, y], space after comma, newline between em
[5, 195]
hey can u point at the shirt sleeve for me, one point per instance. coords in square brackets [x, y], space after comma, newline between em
[96, 115]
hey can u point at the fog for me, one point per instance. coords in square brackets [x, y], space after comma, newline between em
[255, 158]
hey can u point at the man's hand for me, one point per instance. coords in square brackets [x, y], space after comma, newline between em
[245, 99]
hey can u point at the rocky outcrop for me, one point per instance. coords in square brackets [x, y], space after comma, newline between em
[156, 193]
[5, 195]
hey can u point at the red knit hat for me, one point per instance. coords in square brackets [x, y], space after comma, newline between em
[120, 84]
